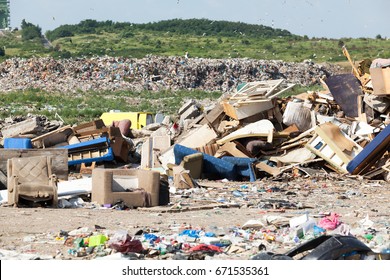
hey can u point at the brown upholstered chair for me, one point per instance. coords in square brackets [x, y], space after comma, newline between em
[134, 187]
[193, 163]
[31, 179]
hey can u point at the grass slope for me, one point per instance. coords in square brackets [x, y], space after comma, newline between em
[201, 38]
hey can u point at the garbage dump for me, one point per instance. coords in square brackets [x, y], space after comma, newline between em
[298, 173]
[152, 73]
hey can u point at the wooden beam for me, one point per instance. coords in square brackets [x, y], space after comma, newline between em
[274, 171]
[25, 127]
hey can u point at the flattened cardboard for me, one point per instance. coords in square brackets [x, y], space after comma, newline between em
[380, 78]
[182, 178]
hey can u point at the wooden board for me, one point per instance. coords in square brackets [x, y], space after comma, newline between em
[245, 109]
[330, 144]
[52, 138]
[254, 135]
[152, 148]
[345, 89]
[198, 137]
[21, 128]
[234, 149]
[186, 208]
[214, 117]
[59, 160]
[274, 171]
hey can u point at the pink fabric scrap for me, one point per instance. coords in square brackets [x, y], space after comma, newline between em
[123, 243]
[205, 247]
[330, 222]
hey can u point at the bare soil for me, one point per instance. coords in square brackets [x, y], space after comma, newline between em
[37, 230]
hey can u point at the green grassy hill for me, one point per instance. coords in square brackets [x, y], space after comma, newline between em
[200, 38]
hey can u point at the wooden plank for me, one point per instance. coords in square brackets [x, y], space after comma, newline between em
[289, 167]
[50, 133]
[282, 91]
[258, 94]
[248, 101]
[52, 138]
[354, 69]
[214, 117]
[25, 127]
[59, 159]
[97, 131]
[271, 91]
[300, 142]
[186, 208]
[152, 148]
[246, 109]
[270, 136]
[262, 135]
[377, 171]
[274, 171]
[231, 149]
[198, 137]
[300, 136]
[96, 124]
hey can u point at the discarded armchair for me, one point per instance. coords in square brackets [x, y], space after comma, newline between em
[31, 179]
[133, 187]
[193, 163]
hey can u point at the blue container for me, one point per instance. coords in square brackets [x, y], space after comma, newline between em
[17, 143]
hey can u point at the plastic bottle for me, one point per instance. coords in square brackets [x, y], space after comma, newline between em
[385, 250]
[238, 194]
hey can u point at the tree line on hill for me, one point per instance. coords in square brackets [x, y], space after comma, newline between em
[178, 26]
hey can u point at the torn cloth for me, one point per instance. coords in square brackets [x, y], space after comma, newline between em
[330, 222]
[206, 248]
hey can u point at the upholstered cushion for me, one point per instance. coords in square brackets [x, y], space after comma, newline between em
[30, 169]
[35, 191]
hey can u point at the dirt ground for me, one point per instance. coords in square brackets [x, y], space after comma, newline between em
[363, 207]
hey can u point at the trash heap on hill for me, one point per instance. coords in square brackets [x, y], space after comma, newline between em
[152, 73]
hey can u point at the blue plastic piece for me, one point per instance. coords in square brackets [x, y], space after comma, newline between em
[190, 232]
[17, 143]
[244, 166]
[374, 150]
[212, 166]
[150, 236]
[238, 193]
[98, 143]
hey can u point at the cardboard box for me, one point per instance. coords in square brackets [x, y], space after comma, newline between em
[182, 178]
[380, 78]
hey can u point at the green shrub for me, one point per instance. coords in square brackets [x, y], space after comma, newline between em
[30, 31]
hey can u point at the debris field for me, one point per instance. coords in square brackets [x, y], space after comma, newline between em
[253, 175]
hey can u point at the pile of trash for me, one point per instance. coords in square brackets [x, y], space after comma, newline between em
[151, 73]
[250, 135]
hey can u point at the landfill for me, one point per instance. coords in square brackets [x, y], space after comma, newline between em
[255, 175]
[152, 73]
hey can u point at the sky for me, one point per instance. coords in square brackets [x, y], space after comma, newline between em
[314, 18]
